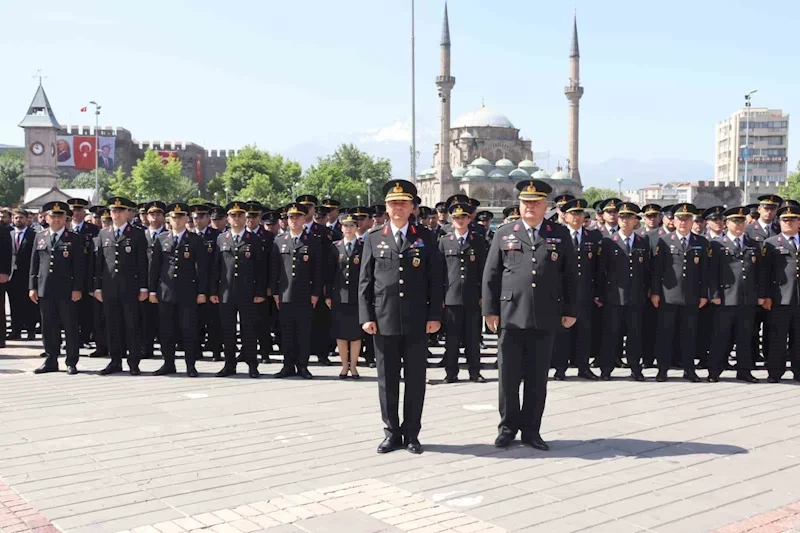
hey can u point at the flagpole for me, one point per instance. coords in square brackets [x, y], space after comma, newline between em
[413, 104]
[96, 149]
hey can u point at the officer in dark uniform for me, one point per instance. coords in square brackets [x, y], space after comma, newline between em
[610, 209]
[782, 282]
[57, 279]
[254, 211]
[484, 218]
[464, 255]
[120, 283]
[652, 219]
[679, 290]
[528, 295]
[510, 214]
[333, 223]
[210, 330]
[623, 281]
[88, 231]
[650, 316]
[219, 219]
[400, 301]
[102, 215]
[559, 205]
[712, 220]
[736, 289]
[147, 311]
[572, 345]
[435, 225]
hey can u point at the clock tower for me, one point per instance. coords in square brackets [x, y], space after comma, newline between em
[41, 127]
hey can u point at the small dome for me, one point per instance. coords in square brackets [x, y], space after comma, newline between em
[540, 175]
[481, 162]
[527, 164]
[429, 172]
[505, 164]
[560, 175]
[518, 173]
[498, 173]
[481, 118]
[466, 135]
[475, 173]
[459, 172]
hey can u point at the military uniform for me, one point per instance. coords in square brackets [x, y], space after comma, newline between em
[322, 343]
[86, 304]
[344, 290]
[148, 311]
[650, 313]
[210, 324]
[264, 321]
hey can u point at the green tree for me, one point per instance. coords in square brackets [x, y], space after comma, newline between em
[791, 191]
[260, 188]
[343, 175]
[593, 194]
[85, 180]
[12, 185]
[150, 179]
[248, 163]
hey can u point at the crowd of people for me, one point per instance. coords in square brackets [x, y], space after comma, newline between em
[634, 287]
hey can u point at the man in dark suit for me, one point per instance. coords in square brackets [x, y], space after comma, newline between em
[104, 160]
[23, 311]
[88, 231]
[120, 283]
[178, 282]
[57, 275]
[254, 226]
[210, 325]
[148, 312]
[528, 296]
[400, 302]
[5, 272]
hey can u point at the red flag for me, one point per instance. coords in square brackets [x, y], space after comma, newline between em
[85, 152]
[83, 110]
[166, 156]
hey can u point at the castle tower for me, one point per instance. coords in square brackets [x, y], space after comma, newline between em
[445, 83]
[41, 126]
[574, 92]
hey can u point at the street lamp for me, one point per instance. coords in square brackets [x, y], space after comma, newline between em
[294, 188]
[747, 140]
[369, 191]
[619, 186]
[358, 199]
[227, 193]
[97, 108]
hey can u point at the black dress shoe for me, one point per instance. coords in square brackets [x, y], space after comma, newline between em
[503, 440]
[712, 378]
[31, 335]
[661, 376]
[134, 371]
[285, 372]
[99, 353]
[414, 446]
[746, 377]
[226, 371]
[587, 374]
[560, 375]
[477, 378]
[390, 444]
[45, 368]
[72, 370]
[165, 370]
[691, 377]
[450, 378]
[253, 372]
[343, 376]
[304, 373]
[637, 376]
[605, 376]
[773, 379]
[372, 364]
[191, 372]
[112, 368]
[43, 354]
[535, 441]
[324, 361]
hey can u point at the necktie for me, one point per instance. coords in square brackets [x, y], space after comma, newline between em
[53, 239]
[295, 240]
[349, 248]
[461, 241]
[176, 241]
[683, 243]
[739, 245]
[399, 239]
[531, 233]
[575, 241]
[627, 244]
[236, 240]
[19, 239]
[117, 234]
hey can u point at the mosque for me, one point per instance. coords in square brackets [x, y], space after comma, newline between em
[482, 154]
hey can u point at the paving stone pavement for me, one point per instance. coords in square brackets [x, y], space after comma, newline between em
[93, 454]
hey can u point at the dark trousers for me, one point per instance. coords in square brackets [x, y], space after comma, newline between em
[523, 354]
[573, 345]
[732, 322]
[175, 319]
[57, 314]
[321, 324]
[296, 321]
[391, 353]
[784, 325]
[616, 318]
[122, 328]
[760, 340]
[23, 310]
[247, 314]
[369, 348]
[85, 309]
[597, 333]
[672, 318]
[211, 327]
[99, 326]
[264, 337]
[705, 321]
[463, 326]
[149, 327]
[649, 326]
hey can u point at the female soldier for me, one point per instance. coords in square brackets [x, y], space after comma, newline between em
[346, 328]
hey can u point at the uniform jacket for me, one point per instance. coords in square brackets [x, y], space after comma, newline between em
[653, 236]
[152, 242]
[463, 269]
[400, 288]
[530, 285]
[179, 274]
[238, 271]
[209, 238]
[782, 273]
[325, 236]
[757, 233]
[347, 270]
[56, 271]
[120, 264]
[586, 260]
[736, 277]
[624, 276]
[296, 270]
[681, 278]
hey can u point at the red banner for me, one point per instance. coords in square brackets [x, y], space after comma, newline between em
[166, 156]
[84, 152]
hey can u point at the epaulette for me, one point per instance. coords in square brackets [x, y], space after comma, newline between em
[372, 230]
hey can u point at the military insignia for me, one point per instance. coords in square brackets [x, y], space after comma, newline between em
[753, 259]
[657, 248]
[696, 260]
[65, 253]
[472, 259]
[341, 256]
[42, 245]
[356, 260]
[590, 255]
[127, 249]
[763, 252]
[247, 255]
[415, 262]
[710, 252]
[305, 259]
[554, 256]
[186, 255]
[641, 259]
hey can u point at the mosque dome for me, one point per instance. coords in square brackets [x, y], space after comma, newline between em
[466, 135]
[527, 164]
[481, 118]
[540, 175]
[498, 173]
[505, 164]
[481, 162]
[459, 172]
[518, 173]
[560, 175]
[429, 172]
[475, 173]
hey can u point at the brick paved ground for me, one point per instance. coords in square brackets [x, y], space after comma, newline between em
[144, 454]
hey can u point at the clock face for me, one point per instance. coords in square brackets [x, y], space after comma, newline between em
[52, 149]
[37, 148]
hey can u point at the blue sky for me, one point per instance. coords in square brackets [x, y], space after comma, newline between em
[281, 73]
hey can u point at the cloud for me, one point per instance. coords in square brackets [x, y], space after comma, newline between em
[400, 131]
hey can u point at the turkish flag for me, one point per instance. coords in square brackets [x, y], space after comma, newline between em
[85, 152]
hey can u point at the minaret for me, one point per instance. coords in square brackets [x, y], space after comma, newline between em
[445, 83]
[40, 164]
[574, 91]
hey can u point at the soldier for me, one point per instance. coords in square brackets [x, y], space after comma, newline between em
[344, 297]
[102, 217]
[652, 219]
[88, 231]
[510, 214]
[574, 344]
[559, 205]
[679, 290]
[296, 275]
[178, 284]
[400, 302]
[484, 218]
[712, 226]
[378, 215]
[120, 283]
[442, 216]
[782, 283]
[208, 313]
[147, 311]
[528, 295]
[363, 217]
[219, 218]
[699, 223]
[736, 288]
[254, 210]
[752, 213]
[610, 214]
[333, 223]
[57, 276]
[464, 255]
[623, 280]
[270, 221]
[715, 222]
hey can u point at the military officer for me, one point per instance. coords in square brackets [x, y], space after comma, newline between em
[102, 217]
[88, 231]
[652, 219]
[344, 297]
[484, 218]
[623, 281]
[559, 205]
[650, 316]
[378, 214]
[782, 283]
[148, 312]
[528, 295]
[679, 290]
[333, 223]
[510, 214]
[120, 283]
[178, 281]
[254, 226]
[572, 345]
[610, 210]
[57, 277]
[400, 301]
[736, 289]
[296, 282]
[464, 255]
[712, 229]
[210, 327]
